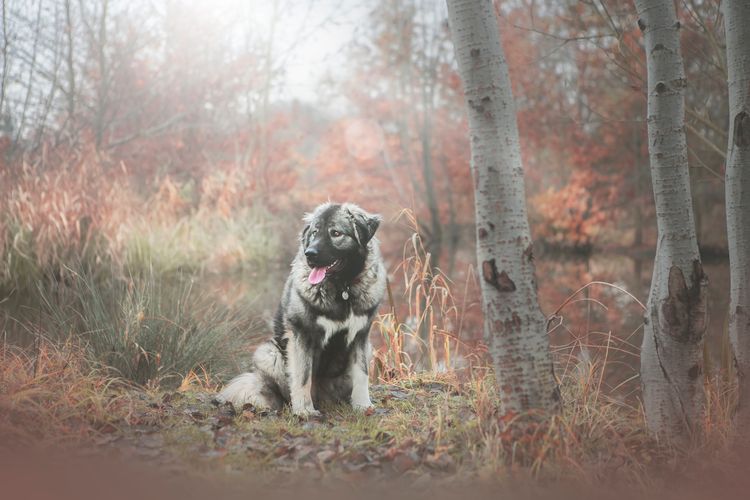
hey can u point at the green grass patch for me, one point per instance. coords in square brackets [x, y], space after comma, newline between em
[202, 243]
[146, 330]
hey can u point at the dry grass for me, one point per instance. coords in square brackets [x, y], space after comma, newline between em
[441, 425]
[423, 330]
[53, 218]
[79, 210]
[601, 432]
[58, 392]
[50, 395]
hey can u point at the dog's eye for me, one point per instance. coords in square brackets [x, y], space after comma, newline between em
[335, 233]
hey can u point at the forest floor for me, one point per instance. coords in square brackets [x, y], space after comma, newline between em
[430, 432]
[426, 430]
[418, 428]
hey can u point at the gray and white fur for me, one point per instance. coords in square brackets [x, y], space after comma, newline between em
[321, 350]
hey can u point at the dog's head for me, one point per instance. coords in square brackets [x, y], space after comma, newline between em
[335, 240]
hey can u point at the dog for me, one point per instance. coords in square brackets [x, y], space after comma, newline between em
[320, 351]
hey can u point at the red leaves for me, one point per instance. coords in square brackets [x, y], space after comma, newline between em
[575, 214]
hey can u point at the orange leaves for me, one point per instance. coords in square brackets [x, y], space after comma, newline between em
[168, 200]
[575, 213]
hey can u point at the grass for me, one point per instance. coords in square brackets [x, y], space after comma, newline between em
[51, 395]
[145, 330]
[82, 213]
[441, 428]
[432, 428]
[116, 322]
[426, 333]
[202, 242]
[86, 260]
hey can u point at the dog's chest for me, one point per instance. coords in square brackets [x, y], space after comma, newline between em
[349, 327]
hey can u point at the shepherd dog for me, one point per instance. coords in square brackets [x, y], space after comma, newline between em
[320, 350]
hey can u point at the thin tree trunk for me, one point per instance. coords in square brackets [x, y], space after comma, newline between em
[4, 76]
[30, 82]
[514, 327]
[102, 101]
[675, 322]
[737, 22]
[70, 51]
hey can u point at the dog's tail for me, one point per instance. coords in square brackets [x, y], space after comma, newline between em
[243, 389]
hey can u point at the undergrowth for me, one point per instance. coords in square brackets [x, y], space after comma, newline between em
[145, 330]
[51, 394]
[437, 408]
[85, 212]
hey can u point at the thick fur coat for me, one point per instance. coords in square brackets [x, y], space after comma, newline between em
[320, 350]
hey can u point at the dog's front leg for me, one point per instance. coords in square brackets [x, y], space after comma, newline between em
[299, 375]
[359, 373]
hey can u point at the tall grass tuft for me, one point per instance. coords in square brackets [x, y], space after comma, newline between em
[52, 217]
[51, 394]
[426, 332]
[144, 330]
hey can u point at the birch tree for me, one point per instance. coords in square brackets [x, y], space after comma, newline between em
[675, 322]
[737, 24]
[514, 327]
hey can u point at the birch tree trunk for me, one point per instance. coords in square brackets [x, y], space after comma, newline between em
[514, 328]
[675, 322]
[737, 23]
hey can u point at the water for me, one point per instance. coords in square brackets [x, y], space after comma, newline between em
[606, 315]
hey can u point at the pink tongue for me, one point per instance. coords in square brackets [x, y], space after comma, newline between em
[317, 274]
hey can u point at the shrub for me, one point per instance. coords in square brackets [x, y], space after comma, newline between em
[143, 329]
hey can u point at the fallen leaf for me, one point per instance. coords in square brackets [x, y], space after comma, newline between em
[326, 456]
[283, 450]
[404, 462]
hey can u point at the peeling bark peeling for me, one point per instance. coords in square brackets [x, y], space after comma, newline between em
[737, 185]
[514, 327]
[676, 316]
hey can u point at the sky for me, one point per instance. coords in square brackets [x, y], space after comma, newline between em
[312, 38]
[310, 41]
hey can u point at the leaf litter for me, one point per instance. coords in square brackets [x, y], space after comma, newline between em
[195, 431]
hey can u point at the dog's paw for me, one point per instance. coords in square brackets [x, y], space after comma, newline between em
[307, 413]
[363, 406]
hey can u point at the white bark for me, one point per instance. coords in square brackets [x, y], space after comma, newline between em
[514, 327]
[675, 322]
[737, 23]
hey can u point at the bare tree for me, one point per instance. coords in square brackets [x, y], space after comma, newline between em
[4, 76]
[410, 37]
[675, 322]
[30, 86]
[737, 23]
[70, 91]
[514, 327]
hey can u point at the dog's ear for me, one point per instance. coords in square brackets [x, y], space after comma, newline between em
[373, 223]
[365, 225]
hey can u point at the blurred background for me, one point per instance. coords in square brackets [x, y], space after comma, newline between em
[156, 157]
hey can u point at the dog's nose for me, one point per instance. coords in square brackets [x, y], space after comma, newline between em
[311, 252]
